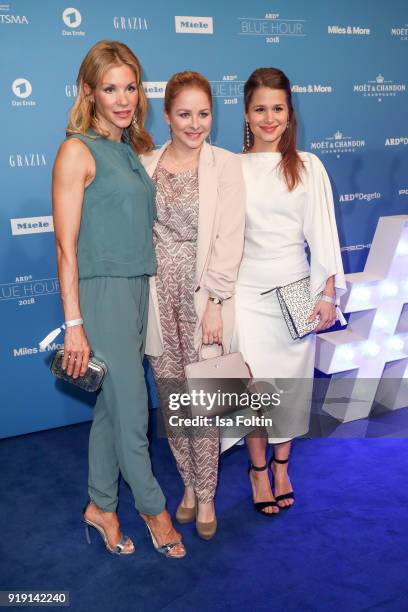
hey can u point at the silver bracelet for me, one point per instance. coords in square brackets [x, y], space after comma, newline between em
[328, 299]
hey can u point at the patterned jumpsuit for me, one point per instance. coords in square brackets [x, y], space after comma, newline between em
[175, 238]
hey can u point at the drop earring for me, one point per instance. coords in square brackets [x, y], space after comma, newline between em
[248, 136]
[134, 120]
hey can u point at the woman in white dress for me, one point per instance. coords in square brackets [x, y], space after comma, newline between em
[289, 201]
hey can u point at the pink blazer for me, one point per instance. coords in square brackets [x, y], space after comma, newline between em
[221, 224]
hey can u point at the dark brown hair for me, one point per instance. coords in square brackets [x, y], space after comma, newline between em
[291, 164]
[179, 81]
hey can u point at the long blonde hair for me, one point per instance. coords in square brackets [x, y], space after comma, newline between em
[103, 55]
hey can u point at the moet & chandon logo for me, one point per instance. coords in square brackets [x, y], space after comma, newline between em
[194, 25]
[31, 225]
[337, 144]
[272, 27]
[230, 88]
[400, 32]
[72, 19]
[379, 88]
[22, 89]
[154, 89]
[7, 18]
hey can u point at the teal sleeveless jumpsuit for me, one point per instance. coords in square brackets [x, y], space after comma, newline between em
[115, 258]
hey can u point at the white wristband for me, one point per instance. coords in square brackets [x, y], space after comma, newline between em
[328, 299]
[72, 323]
[56, 332]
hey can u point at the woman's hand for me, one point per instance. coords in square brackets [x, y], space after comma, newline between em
[212, 324]
[76, 351]
[327, 314]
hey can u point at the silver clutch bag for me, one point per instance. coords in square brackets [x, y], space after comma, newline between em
[92, 379]
[297, 305]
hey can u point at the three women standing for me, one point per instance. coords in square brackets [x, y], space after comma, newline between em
[104, 210]
[198, 237]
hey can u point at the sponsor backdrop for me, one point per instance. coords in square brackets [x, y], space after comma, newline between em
[349, 75]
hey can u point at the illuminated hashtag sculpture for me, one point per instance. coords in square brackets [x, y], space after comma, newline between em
[369, 359]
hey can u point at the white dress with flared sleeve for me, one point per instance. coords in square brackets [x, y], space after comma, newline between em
[278, 223]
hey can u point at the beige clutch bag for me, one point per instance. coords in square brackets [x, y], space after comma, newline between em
[226, 374]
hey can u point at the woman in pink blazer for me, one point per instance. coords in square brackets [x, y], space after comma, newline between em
[198, 235]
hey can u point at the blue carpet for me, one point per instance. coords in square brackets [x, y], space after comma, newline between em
[342, 547]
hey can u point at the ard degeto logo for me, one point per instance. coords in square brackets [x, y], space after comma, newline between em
[22, 88]
[272, 27]
[194, 25]
[72, 17]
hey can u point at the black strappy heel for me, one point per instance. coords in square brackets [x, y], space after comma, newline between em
[289, 495]
[259, 506]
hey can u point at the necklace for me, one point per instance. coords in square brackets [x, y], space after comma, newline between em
[171, 163]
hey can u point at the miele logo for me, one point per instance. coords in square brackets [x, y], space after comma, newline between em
[31, 225]
[27, 160]
[154, 89]
[194, 25]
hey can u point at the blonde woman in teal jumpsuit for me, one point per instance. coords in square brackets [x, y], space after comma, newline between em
[104, 210]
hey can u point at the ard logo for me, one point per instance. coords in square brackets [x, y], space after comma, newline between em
[21, 88]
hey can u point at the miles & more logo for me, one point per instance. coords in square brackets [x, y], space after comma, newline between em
[8, 18]
[230, 89]
[194, 25]
[31, 225]
[348, 30]
[272, 27]
[337, 144]
[379, 88]
[312, 89]
[72, 18]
